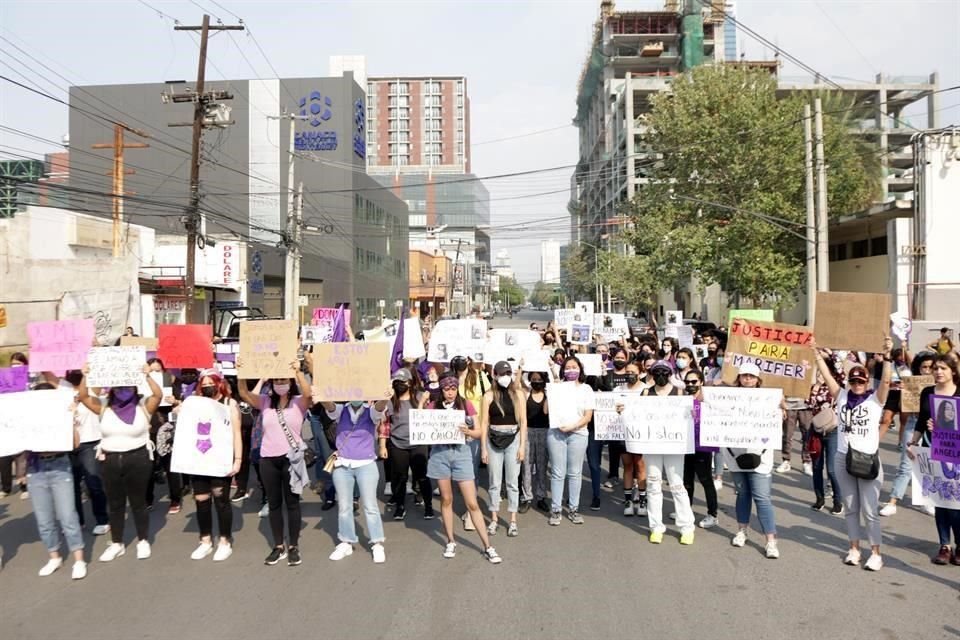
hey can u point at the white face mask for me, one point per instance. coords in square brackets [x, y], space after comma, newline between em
[504, 381]
[682, 363]
[281, 389]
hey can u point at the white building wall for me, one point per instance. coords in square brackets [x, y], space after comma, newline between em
[550, 261]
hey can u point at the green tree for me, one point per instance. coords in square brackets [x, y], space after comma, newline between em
[580, 282]
[511, 294]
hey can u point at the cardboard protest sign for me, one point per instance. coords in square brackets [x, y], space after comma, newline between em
[763, 315]
[910, 388]
[203, 445]
[267, 347]
[14, 379]
[936, 483]
[59, 345]
[148, 344]
[324, 320]
[580, 333]
[36, 421]
[741, 418]
[779, 350]
[945, 441]
[436, 427]
[451, 338]
[182, 346]
[592, 364]
[116, 366]
[682, 333]
[854, 321]
[659, 425]
[346, 371]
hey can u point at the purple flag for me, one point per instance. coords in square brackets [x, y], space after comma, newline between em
[340, 326]
[396, 359]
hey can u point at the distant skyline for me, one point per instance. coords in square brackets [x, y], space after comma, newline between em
[522, 61]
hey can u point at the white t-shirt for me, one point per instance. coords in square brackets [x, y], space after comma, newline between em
[118, 436]
[87, 423]
[583, 402]
[859, 427]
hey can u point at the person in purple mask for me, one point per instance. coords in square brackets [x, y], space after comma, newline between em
[567, 443]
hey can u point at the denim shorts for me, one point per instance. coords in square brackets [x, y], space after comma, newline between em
[450, 462]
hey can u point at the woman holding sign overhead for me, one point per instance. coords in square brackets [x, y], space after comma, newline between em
[504, 442]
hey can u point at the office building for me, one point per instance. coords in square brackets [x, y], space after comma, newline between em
[550, 261]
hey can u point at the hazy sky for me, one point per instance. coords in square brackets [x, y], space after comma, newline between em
[522, 61]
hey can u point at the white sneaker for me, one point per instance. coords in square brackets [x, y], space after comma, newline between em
[853, 557]
[387, 490]
[784, 467]
[718, 483]
[673, 515]
[929, 509]
[708, 522]
[343, 550]
[491, 554]
[264, 511]
[468, 522]
[807, 469]
[101, 529]
[436, 491]
[201, 552]
[874, 562]
[628, 508]
[112, 552]
[773, 552]
[888, 510]
[143, 550]
[224, 551]
[24, 495]
[79, 570]
[492, 528]
[52, 565]
[450, 550]
[740, 539]
[379, 554]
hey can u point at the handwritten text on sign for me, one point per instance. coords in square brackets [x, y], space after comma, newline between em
[910, 388]
[945, 444]
[116, 366]
[267, 347]
[936, 483]
[741, 418]
[346, 371]
[59, 345]
[186, 345]
[436, 427]
[204, 442]
[36, 421]
[659, 425]
[607, 422]
[780, 350]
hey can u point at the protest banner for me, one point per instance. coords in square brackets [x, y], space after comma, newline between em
[451, 338]
[535, 361]
[267, 347]
[741, 418]
[116, 367]
[763, 315]
[183, 346]
[148, 344]
[507, 344]
[580, 333]
[934, 483]
[14, 379]
[562, 402]
[346, 371]
[945, 442]
[659, 425]
[592, 364]
[36, 421]
[854, 321]
[910, 388]
[203, 444]
[436, 427]
[780, 350]
[682, 333]
[59, 345]
[324, 319]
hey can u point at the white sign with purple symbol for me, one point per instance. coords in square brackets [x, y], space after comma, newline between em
[203, 441]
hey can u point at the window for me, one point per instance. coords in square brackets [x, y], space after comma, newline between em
[460, 149]
[433, 147]
[434, 160]
[878, 246]
[860, 249]
[459, 101]
[396, 149]
[460, 135]
[400, 136]
[432, 112]
[433, 124]
[401, 161]
[460, 112]
[431, 87]
[401, 88]
[370, 89]
[460, 87]
[838, 252]
[432, 101]
[403, 125]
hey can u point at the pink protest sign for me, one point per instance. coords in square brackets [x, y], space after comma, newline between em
[59, 345]
[325, 318]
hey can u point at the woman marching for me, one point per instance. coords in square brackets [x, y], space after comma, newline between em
[634, 468]
[404, 456]
[538, 425]
[504, 442]
[567, 443]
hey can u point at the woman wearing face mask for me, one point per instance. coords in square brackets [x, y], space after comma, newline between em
[668, 351]
[504, 443]
[859, 411]
[183, 387]
[158, 422]
[281, 413]
[567, 443]
[753, 485]
[126, 454]
[451, 463]
[538, 424]
[634, 468]
[213, 386]
[405, 457]
[699, 464]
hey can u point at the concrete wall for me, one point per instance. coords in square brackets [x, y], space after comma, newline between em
[863, 275]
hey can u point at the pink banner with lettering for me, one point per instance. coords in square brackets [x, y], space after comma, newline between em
[59, 345]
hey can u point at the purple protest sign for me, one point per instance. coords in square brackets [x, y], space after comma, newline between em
[945, 443]
[13, 379]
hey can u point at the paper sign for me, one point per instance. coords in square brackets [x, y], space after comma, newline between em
[613, 321]
[854, 321]
[36, 421]
[659, 425]
[562, 402]
[581, 333]
[451, 338]
[584, 308]
[59, 345]
[436, 427]
[563, 318]
[901, 325]
[413, 347]
[945, 443]
[507, 344]
[700, 351]
[187, 345]
[14, 379]
[267, 347]
[323, 321]
[910, 388]
[535, 361]
[116, 366]
[607, 422]
[763, 315]
[682, 333]
[779, 350]
[203, 445]
[673, 317]
[148, 344]
[741, 418]
[346, 371]
[936, 483]
[592, 364]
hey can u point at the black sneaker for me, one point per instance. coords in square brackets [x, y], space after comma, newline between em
[239, 496]
[328, 504]
[837, 509]
[276, 555]
[428, 512]
[293, 557]
[595, 504]
[418, 499]
[543, 505]
[400, 512]
[818, 505]
[525, 506]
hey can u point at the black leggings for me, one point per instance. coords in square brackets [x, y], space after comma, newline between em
[700, 464]
[403, 460]
[125, 477]
[217, 491]
[275, 474]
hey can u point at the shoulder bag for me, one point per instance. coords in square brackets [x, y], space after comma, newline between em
[748, 461]
[863, 465]
[825, 420]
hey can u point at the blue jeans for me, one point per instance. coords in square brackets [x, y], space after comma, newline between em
[366, 478]
[567, 451]
[826, 458]
[498, 459]
[86, 468]
[947, 520]
[754, 488]
[903, 471]
[322, 449]
[50, 483]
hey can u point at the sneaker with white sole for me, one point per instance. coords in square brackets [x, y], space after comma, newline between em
[79, 570]
[888, 510]
[450, 551]
[468, 522]
[202, 551]
[513, 530]
[772, 551]
[101, 529]
[709, 522]
[718, 483]
[640, 506]
[224, 551]
[492, 528]
[52, 565]
[874, 562]
[740, 539]
[808, 469]
[379, 554]
[387, 490]
[673, 515]
[264, 511]
[555, 518]
[852, 558]
[342, 550]
[112, 552]
[143, 550]
[628, 508]
[491, 554]
[784, 467]
[574, 516]
[929, 509]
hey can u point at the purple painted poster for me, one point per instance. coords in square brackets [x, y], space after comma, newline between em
[13, 379]
[945, 443]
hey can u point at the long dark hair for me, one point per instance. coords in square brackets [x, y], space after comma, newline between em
[572, 358]
[941, 417]
[275, 397]
[948, 360]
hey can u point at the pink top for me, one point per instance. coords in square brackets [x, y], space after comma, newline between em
[274, 442]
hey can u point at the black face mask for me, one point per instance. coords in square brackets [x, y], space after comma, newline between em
[691, 389]
[208, 392]
[632, 378]
[188, 378]
[538, 385]
[619, 364]
[400, 388]
[661, 379]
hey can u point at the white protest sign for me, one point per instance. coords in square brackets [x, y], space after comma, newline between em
[503, 344]
[36, 421]
[700, 351]
[584, 308]
[562, 402]
[682, 333]
[313, 334]
[436, 427]
[659, 425]
[936, 483]
[203, 443]
[562, 318]
[413, 348]
[607, 422]
[609, 335]
[451, 338]
[580, 333]
[741, 418]
[673, 317]
[901, 326]
[535, 361]
[116, 366]
[592, 364]
[610, 321]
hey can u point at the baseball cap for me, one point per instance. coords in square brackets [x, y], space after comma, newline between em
[858, 372]
[749, 369]
[502, 368]
[661, 364]
[403, 375]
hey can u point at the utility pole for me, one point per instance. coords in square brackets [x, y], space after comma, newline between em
[294, 239]
[811, 217]
[455, 262]
[433, 308]
[200, 101]
[823, 255]
[118, 172]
